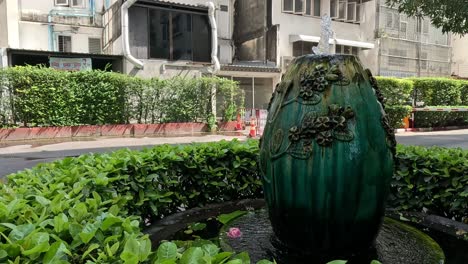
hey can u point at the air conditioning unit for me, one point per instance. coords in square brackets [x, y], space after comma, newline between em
[285, 62]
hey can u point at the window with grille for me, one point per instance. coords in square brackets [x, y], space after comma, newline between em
[94, 45]
[61, 2]
[64, 43]
[70, 3]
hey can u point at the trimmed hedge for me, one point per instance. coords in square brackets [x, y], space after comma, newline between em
[396, 91]
[36, 96]
[433, 178]
[438, 91]
[92, 209]
[430, 91]
[440, 119]
[396, 114]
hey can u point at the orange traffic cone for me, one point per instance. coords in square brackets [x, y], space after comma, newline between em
[239, 122]
[253, 128]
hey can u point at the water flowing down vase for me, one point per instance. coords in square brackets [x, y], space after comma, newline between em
[327, 156]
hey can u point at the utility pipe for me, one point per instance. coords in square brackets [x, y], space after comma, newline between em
[214, 38]
[125, 32]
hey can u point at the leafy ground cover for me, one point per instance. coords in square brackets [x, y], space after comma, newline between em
[92, 209]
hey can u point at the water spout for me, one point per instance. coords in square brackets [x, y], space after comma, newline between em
[325, 35]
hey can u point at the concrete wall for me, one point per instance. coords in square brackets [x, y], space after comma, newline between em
[35, 36]
[3, 24]
[460, 56]
[367, 27]
[290, 24]
[12, 17]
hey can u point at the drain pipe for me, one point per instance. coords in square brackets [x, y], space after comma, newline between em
[214, 38]
[125, 40]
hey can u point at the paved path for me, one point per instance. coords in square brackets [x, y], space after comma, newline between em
[19, 157]
[449, 139]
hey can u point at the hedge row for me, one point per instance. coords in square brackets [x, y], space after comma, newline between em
[430, 92]
[35, 96]
[92, 209]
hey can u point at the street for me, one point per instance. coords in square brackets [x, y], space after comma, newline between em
[19, 157]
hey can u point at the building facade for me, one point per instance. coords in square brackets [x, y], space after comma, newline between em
[249, 41]
[411, 47]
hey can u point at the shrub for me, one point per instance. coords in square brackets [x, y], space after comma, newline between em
[35, 96]
[93, 208]
[438, 91]
[433, 178]
[396, 91]
[464, 92]
[396, 113]
[440, 119]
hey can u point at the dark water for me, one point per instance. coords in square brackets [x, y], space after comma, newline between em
[396, 243]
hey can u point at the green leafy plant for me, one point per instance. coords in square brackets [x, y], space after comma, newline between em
[92, 209]
[395, 90]
[396, 113]
[37, 96]
[432, 178]
[440, 119]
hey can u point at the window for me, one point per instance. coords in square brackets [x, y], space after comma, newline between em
[346, 10]
[351, 12]
[70, 3]
[170, 33]
[298, 6]
[333, 8]
[389, 20]
[61, 2]
[288, 6]
[77, 3]
[64, 43]
[94, 45]
[293, 6]
[303, 48]
[340, 49]
[312, 8]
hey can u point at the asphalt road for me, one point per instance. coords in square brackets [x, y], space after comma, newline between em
[13, 162]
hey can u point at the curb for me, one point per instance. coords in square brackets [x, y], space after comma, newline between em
[122, 130]
[429, 129]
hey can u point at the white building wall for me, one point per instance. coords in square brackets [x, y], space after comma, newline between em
[33, 33]
[3, 24]
[460, 56]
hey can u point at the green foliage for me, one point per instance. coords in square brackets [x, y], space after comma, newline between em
[449, 15]
[396, 113]
[440, 119]
[91, 208]
[226, 218]
[35, 96]
[433, 178]
[438, 91]
[396, 91]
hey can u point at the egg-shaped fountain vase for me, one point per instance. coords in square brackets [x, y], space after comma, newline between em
[327, 156]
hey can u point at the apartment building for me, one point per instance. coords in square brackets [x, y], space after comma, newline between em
[65, 34]
[249, 41]
[410, 46]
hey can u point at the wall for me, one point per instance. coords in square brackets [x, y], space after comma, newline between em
[369, 57]
[460, 56]
[35, 36]
[290, 24]
[12, 25]
[3, 24]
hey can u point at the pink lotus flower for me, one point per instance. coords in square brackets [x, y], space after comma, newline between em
[234, 232]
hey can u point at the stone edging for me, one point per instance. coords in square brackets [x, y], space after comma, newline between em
[126, 130]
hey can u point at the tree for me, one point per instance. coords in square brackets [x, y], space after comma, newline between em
[449, 15]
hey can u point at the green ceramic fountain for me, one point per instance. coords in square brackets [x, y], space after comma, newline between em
[327, 156]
